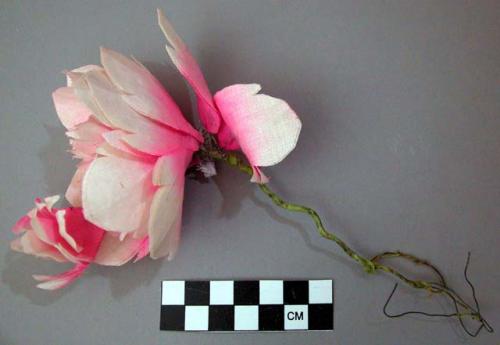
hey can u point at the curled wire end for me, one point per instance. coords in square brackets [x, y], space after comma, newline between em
[473, 313]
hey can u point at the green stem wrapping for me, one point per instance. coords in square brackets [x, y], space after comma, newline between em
[462, 308]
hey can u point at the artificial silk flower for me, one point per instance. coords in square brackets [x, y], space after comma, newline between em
[265, 128]
[134, 145]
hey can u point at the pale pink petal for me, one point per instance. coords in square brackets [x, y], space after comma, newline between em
[117, 111]
[166, 208]
[47, 202]
[116, 193]
[74, 191]
[258, 176]
[114, 252]
[82, 91]
[44, 225]
[143, 92]
[143, 249]
[164, 220]
[70, 110]
[54, 282]
[161, 141]
[86, 138]
[168, 169]
[116, 146]
[30, 244]
[108, 150]
[91, 131]
[188, 67]
[79, 71]
[145, 135]
[267, 128]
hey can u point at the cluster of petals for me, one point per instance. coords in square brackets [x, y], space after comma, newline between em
[134, 146]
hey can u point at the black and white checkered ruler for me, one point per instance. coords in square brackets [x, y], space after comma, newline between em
[250, 305]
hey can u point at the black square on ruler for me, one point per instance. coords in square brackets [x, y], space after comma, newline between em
[320, 316]
[221, 318]
[271, 317]
[172, 318]
[197, 293]
[296, 292]
[246, 292]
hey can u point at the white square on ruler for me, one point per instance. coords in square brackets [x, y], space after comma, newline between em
[296, 316]
[196, 318]
[246, 318]
[271, 292]
[172, 292]
[320, 291]
[221, 292]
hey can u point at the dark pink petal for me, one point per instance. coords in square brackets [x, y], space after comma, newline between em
[54, 282]
[23, 224]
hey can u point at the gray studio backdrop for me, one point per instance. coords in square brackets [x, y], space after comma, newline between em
[400, 149]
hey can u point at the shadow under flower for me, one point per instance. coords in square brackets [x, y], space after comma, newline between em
[58, 166]
[17, 275]
[129, 277]
[234, 188]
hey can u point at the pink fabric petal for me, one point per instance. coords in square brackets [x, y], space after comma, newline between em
[79, 71]
[114, 252]
[165, 220]
[258, 176]
[143, 249]
[23, 224]
[166, 208]
[161, 141]
[70, 110]
[82, 91]
[188, 67]
[168, 169]
[61, 222]
[226, 138]
[87, 236]
[58, 281]
[145, 135]
[74, 191]
[267, 128]
[143, 92]
[116, 193]
[45, 226]
[86, 138]
[115, 139]
[30, 244]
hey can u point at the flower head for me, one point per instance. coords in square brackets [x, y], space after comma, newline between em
[134, 145]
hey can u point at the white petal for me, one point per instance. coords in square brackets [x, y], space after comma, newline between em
[117, 193]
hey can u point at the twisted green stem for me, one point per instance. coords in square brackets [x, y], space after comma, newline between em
[372, 265]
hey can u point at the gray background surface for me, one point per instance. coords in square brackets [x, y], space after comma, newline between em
[400, 149]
